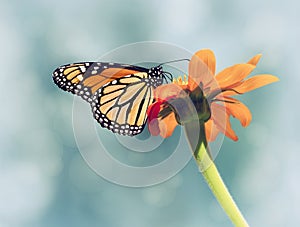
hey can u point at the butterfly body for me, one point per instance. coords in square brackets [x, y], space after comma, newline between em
[119, 94]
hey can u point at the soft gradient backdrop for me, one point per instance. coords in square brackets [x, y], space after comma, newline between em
[43, 178]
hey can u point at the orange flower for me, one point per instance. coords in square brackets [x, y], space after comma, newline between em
[209, 93]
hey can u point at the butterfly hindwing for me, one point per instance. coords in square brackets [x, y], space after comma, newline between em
[121, 105]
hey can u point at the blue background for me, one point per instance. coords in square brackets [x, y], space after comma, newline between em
[43, 179]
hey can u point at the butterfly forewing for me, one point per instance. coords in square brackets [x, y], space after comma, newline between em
[67, 77]
[85, 78]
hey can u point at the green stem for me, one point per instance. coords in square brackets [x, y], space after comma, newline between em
[211, 174]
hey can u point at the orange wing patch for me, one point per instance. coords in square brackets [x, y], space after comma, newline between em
[107, 75]
[117, 72]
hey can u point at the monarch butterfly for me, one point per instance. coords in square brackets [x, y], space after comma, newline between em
[119, 94]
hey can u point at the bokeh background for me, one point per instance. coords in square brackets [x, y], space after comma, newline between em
[43, 179]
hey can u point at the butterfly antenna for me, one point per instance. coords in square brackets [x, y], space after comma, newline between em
[167, 62]
[167, 76]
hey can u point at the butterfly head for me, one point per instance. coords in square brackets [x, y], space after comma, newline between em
[157, 76]
[155, 71]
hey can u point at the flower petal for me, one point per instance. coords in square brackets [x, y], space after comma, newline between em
[218, 115]
[208, 58]
[229, 131]
[239, 111]
[233, 75]
[201, 69]
[255, 59]
[158, 126]
[211, 130]
[165, 91]
[153, 110]
[153, 127]
[167, 125]
[222, 121]
[255, 82]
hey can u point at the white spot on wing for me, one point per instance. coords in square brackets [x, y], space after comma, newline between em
[82, 68]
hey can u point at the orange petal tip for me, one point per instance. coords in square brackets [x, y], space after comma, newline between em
[255, 59]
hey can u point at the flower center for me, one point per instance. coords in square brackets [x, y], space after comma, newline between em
[187, 106]
[179, 81]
